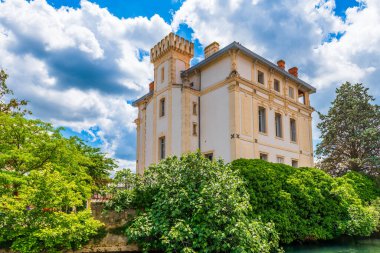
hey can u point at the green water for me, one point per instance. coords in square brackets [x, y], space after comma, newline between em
[363, 246]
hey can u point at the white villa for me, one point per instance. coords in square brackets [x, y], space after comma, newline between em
[233, 104]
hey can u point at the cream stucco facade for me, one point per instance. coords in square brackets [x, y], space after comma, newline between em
[214, 107]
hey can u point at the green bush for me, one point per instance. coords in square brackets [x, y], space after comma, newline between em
[365, 186]
[193, 204]
[305, 203]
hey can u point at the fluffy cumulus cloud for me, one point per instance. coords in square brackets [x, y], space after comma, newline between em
[79, 67]
[327, 48]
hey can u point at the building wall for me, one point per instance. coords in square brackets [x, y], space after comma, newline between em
[215, 130]
[179, 66]
[244, 67]
[149, 141]
[194, 141]
[162, 84]
[176, 121]
[216, 72]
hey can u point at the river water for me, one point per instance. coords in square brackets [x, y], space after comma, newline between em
[362, 246]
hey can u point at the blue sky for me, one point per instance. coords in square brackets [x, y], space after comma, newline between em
[81, 63]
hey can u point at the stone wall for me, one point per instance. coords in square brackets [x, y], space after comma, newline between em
[114, 239]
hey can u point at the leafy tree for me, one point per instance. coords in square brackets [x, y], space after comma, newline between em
[192, 204]
[28, 145]
[306, 203]
[41, 217]
[350, 132]
[13, 105]
[45, 182]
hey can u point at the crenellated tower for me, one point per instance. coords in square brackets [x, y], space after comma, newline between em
[157, 115]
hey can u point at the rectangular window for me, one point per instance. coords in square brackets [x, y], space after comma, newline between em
[195, 126]
[162, 74]
[161, 142]
[276, 85]
[195, 109]
[291, 92]
[278, 122]
[264, 156]
[293, 130]
[262, 120]
[280, 159]
[260, 77]
[162, 107]
[209, 156]
[295, 163]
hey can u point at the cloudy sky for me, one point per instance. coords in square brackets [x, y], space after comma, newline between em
[81, 63]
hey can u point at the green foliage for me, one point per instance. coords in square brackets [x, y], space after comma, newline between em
[13, 105]
[350, 132]
[28, 145]
[363, 220]
[45, 182]
[365, 186]
[305, 203]
[192, 204]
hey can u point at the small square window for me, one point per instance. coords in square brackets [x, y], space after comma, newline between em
[295, 163]
[209, 156]
[280, 159]
[264, 156]
[260, 77]
[276, 85]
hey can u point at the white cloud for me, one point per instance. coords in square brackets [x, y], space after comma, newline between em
[355, 56]
[298, 31]
[78, 67]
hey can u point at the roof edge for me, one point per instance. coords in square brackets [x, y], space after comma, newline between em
[237, 45]
[135, 103]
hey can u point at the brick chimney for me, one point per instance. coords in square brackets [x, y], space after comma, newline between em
[293, 71]
[281, 64]
[151, 87]
[211, 49]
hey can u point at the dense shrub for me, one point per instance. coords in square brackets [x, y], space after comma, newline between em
[365, 186]
[306, 203]
[192, 204]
